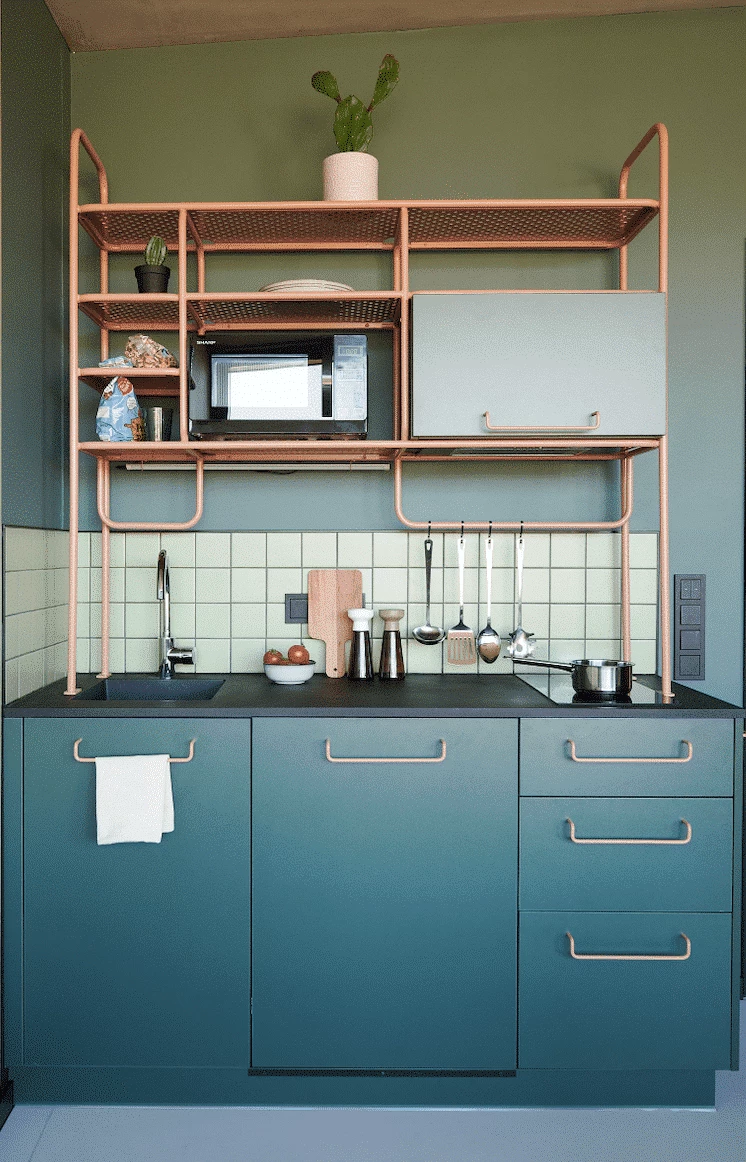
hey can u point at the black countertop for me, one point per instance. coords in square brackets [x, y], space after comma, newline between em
[419, 695]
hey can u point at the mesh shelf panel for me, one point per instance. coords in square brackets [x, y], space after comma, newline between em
[304, 226]
[133, 227]
[381, 310]
[216, 312]
[440, 224]
[143, 313]
[612, 225]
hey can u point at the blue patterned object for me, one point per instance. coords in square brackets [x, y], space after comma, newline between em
[119, 418]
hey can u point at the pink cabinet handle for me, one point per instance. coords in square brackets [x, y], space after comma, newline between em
[440, 758]
[544, 427]
[659, 842]
[683, 759]
[611, 956]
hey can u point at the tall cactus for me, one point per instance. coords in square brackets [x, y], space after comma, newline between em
[353, 126]
[155, 251]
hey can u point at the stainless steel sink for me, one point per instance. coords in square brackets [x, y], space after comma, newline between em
[152, 690]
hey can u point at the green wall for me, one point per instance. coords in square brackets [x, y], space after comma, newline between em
[35, 133]
[547, 108]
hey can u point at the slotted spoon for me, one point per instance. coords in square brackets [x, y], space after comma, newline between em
[461, 648]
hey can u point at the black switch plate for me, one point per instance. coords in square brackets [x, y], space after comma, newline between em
[296, 608]
[689, 627]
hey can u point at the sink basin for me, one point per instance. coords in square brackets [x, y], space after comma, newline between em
[152, 690]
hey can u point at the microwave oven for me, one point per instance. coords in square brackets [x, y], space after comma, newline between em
[245, 384]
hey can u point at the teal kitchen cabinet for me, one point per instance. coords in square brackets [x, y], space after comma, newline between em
[647, 991]
[135, 954]
[384, 894]
[545, 360]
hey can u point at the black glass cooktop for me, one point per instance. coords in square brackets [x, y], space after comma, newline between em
[557, 687]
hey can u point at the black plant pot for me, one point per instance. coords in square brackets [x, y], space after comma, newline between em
[152, 279]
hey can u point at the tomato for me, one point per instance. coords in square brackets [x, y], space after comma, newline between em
[273, 658]
[299, 655]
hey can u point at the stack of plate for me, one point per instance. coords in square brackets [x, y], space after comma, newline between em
[307, 286]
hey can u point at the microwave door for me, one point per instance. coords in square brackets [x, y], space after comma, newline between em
[267, 387]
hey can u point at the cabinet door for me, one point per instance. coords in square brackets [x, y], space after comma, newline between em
[384, 912]
[137, 954]
[664, 1012]
[535, 359]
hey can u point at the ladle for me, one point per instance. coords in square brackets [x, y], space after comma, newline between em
[488, 639]
[428, 635]
[521, 644]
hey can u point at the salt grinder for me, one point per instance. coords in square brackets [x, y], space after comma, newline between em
[391, 668]
[360, 668]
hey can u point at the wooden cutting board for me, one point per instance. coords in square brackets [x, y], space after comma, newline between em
[331, 592]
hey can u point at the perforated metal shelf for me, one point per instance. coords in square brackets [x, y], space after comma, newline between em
[214, 311]
[590, 223]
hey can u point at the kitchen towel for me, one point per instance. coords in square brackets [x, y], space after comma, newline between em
[134, 798]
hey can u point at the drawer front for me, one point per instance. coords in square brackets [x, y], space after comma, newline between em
[690, 757]
[624, 1014]
[384, 894]
[572, 855]
[545, 360]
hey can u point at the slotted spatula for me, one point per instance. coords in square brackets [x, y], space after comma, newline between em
[461, 648]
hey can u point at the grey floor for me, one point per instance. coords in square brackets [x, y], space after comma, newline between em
[169, 1134]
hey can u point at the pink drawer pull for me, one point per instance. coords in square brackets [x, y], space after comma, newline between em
[439, 759]
[683, 759]
[80, 758]
[612, 956]
[544, 427]
[659, 842]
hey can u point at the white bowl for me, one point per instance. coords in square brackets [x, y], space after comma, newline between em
[289, 675]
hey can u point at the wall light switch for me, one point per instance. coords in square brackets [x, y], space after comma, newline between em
[689, 627]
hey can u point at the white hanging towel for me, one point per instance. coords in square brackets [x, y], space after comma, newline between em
[134, 798]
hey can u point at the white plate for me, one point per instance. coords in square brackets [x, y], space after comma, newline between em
[306, 285]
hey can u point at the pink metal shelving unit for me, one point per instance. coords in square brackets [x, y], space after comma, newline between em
[396, 227]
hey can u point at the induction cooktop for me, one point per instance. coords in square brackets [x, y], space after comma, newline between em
[558, 688]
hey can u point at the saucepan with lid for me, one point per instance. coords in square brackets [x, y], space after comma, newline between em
[593, 677]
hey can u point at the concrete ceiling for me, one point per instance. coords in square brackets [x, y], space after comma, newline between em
[88, 25]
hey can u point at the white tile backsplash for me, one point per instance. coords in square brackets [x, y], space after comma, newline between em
[228, 592]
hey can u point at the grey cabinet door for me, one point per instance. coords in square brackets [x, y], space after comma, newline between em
[539, 359]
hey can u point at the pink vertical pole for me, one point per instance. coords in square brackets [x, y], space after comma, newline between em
[626, 466]
[404, 432]
[72, 608]
[664, 569]
[103, 468]
[183, 384]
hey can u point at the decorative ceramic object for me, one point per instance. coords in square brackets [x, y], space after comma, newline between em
[350, 177]
[289, 675]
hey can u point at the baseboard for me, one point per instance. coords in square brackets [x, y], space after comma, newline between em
[529, 1087]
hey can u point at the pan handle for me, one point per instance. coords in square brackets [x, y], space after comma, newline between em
[547, 665]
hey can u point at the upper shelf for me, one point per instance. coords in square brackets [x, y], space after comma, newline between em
[366, 309]
[570, 224]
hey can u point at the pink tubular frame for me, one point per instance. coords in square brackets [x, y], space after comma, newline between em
[518, 444]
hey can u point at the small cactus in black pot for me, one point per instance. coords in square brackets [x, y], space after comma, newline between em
[353, 127]
[152, 276]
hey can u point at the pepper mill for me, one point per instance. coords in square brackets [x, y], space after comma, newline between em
[391, 668]
[360, 668]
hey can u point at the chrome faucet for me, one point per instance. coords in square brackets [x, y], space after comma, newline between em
[171, 655]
